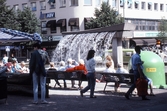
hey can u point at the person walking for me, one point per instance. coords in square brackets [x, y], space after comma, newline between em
[137, 66]
[90, 66]
[37, 70]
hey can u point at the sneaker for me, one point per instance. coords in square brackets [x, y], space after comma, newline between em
[44, 102]
[35, 102]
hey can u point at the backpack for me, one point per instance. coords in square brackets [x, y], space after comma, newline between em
[44, 56]
[40, 67]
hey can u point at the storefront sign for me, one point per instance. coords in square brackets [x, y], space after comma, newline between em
[7, 48]
[47, 15]
[145, 34]
[50, 15]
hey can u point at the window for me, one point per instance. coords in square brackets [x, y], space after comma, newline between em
[143, 5]
[166, 7]
[24, 5]
[156, 6]
[145, 24]
[62, 3]
[63, 29]
[43, 27]
[53, 29]
[149, 6]
[87, 2]
[114, 3]
[98, 2]
[33, 6]
[161, 7]
[136, 4]
[129, 3]
[74, 2]
[74, 28]
[121, 3]
[16, 7]
[43, 5]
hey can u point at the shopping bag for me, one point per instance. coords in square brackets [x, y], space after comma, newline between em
[142, 86]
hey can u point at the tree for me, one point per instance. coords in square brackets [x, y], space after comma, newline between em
[162, 35]
[8, 17]
[27, 19]
[105, 16]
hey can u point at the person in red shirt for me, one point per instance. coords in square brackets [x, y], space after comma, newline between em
[81, 66]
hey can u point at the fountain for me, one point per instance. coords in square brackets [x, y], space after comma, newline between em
[76, 45]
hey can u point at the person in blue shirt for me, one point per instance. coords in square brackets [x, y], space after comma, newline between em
[137, 66]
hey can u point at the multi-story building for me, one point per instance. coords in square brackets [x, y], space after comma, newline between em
[58, 16]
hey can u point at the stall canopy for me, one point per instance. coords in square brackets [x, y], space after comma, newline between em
[8, 35]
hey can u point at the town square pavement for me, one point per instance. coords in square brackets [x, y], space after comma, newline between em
[69, 99]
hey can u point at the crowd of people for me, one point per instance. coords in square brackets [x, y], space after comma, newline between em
[38, 71]
[13, 66]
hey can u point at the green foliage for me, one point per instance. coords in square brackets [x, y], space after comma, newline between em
[24, 21]
[29, 22]
[105, 16]
[162, 35]
[8, 17]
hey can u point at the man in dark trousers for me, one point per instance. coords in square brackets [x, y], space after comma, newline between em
[137, 65]
[37, 70]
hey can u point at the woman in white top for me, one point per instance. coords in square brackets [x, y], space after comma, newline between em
[90, 66]
[24, 69]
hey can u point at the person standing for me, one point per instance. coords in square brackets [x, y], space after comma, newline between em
[90, 66]
[137, 66]
[5, 59]
[37, 70]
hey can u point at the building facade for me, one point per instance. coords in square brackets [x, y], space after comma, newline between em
[59, 16]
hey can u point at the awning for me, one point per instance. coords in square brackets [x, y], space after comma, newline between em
[73, 22]
[51, 23]
[61, 23]
[145, 42]
[9, 35]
